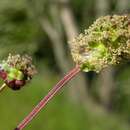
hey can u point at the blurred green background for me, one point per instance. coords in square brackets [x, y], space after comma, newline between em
[42, 29]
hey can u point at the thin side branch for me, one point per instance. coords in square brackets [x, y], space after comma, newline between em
[2, 87]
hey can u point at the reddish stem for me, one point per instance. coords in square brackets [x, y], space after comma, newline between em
[48, 97]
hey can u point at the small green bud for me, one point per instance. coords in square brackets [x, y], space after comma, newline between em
[13, 70]
[20, 75]
[11, 76]
[106, 42]
[16, 74]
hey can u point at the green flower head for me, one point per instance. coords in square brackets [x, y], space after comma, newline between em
[17, 70]
[105, 42]
[18, 64]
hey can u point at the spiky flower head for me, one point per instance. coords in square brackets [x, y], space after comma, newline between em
[105, 42]
[17, 70]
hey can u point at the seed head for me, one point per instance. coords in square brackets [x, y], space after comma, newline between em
[17, 70]
[105, 42]
[23, 63]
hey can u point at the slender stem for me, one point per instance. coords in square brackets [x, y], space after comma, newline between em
[2, 87]
[48, 97]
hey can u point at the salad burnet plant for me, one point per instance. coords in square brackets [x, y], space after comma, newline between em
[16, 71]
[106, 42]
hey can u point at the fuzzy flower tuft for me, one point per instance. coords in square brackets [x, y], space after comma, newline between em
[17, 70]
[106, 42]
[23, 63]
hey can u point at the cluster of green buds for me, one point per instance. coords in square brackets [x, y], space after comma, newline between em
[106, 42]
[17, 70]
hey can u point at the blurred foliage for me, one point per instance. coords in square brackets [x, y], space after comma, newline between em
[20, 32]
[59, 114]
[121, 99]
[16, 32]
